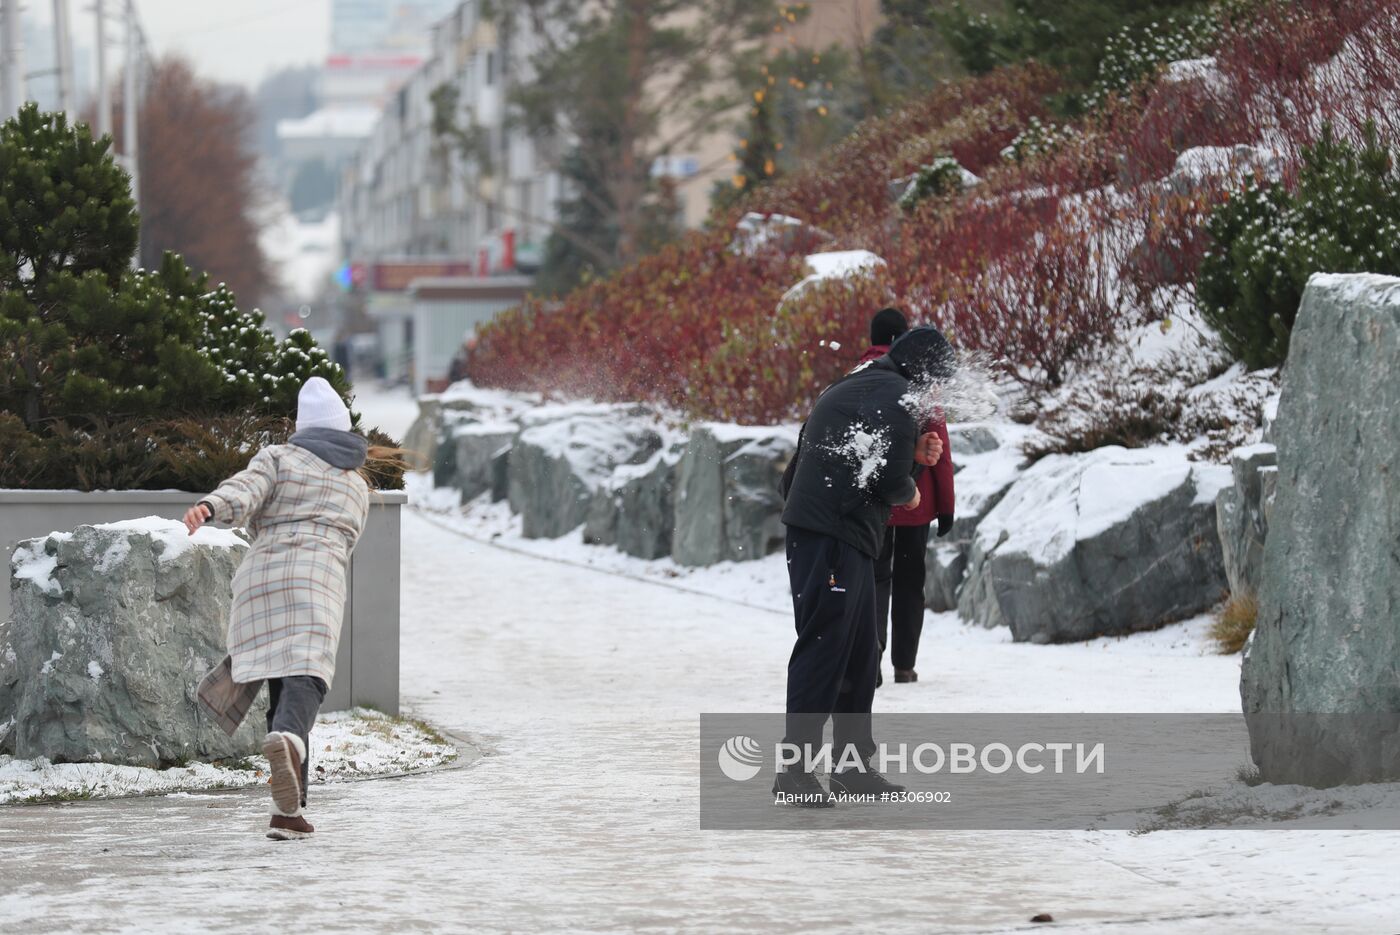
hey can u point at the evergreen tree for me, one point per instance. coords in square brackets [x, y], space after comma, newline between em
[89, 342]
[1267, 241]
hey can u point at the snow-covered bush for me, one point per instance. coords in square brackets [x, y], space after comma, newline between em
[1190, 396]
[1037, 139]
[943, 176]
[1343, 217]
[1137, 54]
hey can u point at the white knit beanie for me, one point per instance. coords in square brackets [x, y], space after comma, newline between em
[319, 406]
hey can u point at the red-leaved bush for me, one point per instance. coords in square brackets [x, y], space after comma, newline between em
[1036, 267]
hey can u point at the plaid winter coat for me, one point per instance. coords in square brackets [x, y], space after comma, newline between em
[305, 517]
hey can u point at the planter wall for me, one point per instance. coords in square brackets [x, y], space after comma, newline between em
[367, 664]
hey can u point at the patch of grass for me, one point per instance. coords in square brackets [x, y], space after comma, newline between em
[243, 764]
[62, 795]
[1234, 623]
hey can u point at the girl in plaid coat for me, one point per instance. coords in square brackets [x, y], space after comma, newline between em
[305, 505]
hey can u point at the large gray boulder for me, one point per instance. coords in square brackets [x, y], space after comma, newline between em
[1321, 676]
[1240, 515]
[475, 448]
[987, 459]
[563, 458]
[422, 436]
[726, 504]
[1107, 542]
[9, 690]
[113, 628]
[644, 495]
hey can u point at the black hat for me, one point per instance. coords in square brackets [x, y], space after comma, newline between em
[923, 353]
[888, 324]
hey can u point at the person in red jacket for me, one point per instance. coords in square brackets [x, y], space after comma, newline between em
[899, 569]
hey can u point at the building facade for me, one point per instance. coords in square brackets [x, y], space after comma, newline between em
[486, 195]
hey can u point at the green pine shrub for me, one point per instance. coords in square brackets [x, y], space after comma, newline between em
[105, 368]
[1343, 216]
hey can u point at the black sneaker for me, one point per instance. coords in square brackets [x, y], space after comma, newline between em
[868, 783]
[801, 790]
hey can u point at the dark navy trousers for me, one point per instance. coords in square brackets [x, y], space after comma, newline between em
[831, 672]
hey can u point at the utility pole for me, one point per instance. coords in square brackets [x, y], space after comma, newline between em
[104, 90]
[131, 110]
[63, 56]
[12, 75]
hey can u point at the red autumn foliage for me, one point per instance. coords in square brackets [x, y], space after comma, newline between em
[1036, 267]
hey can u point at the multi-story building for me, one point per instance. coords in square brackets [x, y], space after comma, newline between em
[412, 192]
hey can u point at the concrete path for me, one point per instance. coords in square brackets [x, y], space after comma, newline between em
[583, 690]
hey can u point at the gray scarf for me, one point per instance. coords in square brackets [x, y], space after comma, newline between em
[344, 450]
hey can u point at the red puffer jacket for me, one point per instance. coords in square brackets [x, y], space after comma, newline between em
[935, 484]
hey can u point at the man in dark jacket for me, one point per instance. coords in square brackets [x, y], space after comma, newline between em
[899, 568]
[857, 459]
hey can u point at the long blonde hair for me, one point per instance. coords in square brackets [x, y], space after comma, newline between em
[382, 460]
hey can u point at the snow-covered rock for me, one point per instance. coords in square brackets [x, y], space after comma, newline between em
[1107, 542]
[1199, 164]
[1204, 70]
[837, 265]
[645, 498]
[1241, 516]
[566, 454]
[987, 458]
[113, 628]
[756, 232]
[1319, 682]
[9, 688]
[727, 506]
[477, 448]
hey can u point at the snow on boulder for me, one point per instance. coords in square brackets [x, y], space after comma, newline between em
[1203, 70]
[756, 232]
[727, 506]
[1319, 679]
[1108, 542]
[1200, 164]
[113, 627]
[476, 449]
[566, 454]
[987, 459]
[644, 495]
[837, 265]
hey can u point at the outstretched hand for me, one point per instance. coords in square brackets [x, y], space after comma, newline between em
[928, 449]
[195, 517]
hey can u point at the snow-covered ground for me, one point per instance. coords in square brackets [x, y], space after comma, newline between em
[344, 745]
[584, 688]
[391, 409]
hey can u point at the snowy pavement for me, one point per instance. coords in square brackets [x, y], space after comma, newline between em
[584, 689]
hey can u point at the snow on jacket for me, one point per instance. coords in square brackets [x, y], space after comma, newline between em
[855, 458]
[289, 593]
[935, 485]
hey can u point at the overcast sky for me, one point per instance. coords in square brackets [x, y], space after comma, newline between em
[228, 40]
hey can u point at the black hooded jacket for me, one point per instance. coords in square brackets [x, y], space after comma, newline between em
[855, 458]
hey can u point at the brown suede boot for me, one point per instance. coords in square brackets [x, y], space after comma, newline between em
[284, 828]
[284, 753]
[905, 675]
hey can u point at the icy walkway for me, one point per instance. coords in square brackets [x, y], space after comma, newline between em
[585, 688]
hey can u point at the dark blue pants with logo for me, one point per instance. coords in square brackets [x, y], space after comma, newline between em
[831, 672]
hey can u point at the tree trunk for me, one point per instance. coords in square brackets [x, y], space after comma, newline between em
[630, 186]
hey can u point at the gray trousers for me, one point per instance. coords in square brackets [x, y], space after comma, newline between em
[292, 705]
